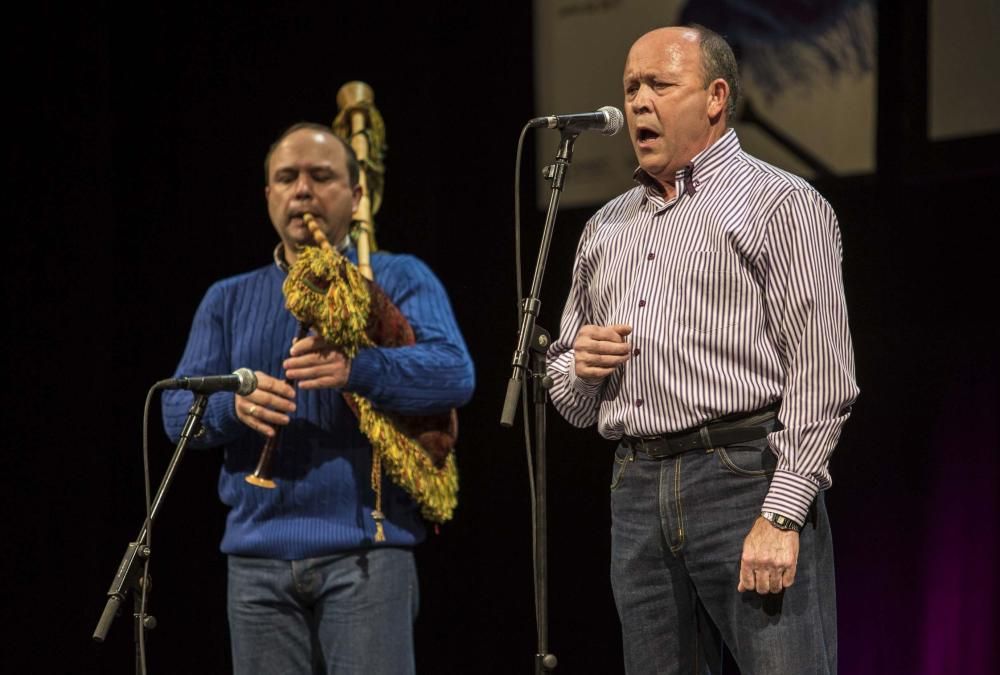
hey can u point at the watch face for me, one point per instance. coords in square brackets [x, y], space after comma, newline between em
[779, 521]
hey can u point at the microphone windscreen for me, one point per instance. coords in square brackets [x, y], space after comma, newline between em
[248, 381]
[615, 120]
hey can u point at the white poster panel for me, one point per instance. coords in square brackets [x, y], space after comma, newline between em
[963, 59]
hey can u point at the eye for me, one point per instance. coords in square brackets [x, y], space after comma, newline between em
[284, 177]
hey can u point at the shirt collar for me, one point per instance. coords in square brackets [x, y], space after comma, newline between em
[698, 171]
[344, 247]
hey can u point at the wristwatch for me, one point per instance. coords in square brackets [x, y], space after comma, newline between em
[779, 521]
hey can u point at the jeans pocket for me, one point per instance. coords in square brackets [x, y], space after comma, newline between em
[752, 460]
[623, 457]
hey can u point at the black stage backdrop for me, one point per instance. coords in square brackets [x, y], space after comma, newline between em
[134, 180]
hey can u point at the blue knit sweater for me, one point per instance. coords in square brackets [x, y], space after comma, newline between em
[322, 466]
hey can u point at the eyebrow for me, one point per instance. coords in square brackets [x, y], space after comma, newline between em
[296, 169]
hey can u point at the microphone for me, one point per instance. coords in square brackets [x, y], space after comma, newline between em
[243, 381]
[608, 121]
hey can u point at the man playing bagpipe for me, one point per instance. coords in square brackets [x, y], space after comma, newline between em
[321, 570]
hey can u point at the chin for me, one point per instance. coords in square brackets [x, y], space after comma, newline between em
[299, 237]
[652, 166]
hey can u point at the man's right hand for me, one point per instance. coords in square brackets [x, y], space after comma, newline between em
[599, 350]
[267, 406]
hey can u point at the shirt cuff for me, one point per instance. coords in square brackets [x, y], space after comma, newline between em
[221, 410]
[581, 386]
[791, 495]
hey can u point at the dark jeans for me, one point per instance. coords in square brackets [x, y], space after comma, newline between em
[677, 533]
[351, 613]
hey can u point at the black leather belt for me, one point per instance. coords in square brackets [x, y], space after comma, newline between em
[725, 431]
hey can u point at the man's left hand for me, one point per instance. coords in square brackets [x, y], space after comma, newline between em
[315, 364]
[769, 558]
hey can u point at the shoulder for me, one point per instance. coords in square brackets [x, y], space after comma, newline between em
[401, 274]
[769, 178]
[266, 275]
[622, 206]
[398, 264]
[775, 191]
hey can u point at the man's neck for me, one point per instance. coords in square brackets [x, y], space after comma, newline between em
[669, 187]
[668, 181]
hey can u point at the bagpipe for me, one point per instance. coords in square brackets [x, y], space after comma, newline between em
[343, 303]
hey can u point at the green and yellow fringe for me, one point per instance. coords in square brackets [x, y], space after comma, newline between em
[340, 315]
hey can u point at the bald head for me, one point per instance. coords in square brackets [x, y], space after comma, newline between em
[353, 167]
[716, 57]
[671, 33]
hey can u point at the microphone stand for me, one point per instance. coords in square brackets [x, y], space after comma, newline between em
[535, 340]
[138, 552]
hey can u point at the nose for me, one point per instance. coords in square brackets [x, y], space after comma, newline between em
[640, 102]
[303, 186]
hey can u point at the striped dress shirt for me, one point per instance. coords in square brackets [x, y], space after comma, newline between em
[734, 292]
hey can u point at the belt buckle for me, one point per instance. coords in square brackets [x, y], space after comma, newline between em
[651, 444]
[640, 443]
[656, 447]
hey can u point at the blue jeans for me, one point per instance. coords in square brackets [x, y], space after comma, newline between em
[346, 613]
[677, 533]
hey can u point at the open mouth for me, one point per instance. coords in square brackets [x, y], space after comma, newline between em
[646, 135]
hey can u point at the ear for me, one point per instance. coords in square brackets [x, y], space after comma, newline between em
[267, 191]
[718, 97]
[355, 198]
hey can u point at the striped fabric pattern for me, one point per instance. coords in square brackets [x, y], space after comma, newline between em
[734, 292]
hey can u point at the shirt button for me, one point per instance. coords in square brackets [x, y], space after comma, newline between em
[638, 403]
[642, 303]
[636, 352]
[650, 256]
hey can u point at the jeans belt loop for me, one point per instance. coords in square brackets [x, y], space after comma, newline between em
[706, 438]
